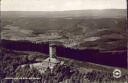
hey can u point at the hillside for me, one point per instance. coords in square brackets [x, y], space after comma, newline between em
[95, 29]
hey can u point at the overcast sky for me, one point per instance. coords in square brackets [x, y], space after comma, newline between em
[60, 5]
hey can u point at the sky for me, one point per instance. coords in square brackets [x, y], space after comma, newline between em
[60, 5]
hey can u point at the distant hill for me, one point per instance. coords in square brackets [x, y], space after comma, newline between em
[108, 13]
[98, 29]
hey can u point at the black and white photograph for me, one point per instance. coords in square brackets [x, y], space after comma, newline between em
[63, 41]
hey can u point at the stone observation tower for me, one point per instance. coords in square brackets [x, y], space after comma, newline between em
[52, 59]
[52, 51]
[49, 62]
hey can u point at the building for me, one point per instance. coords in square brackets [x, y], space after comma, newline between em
[52, 59]
[50, 62]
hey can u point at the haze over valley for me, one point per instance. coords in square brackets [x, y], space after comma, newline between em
[81, 29]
